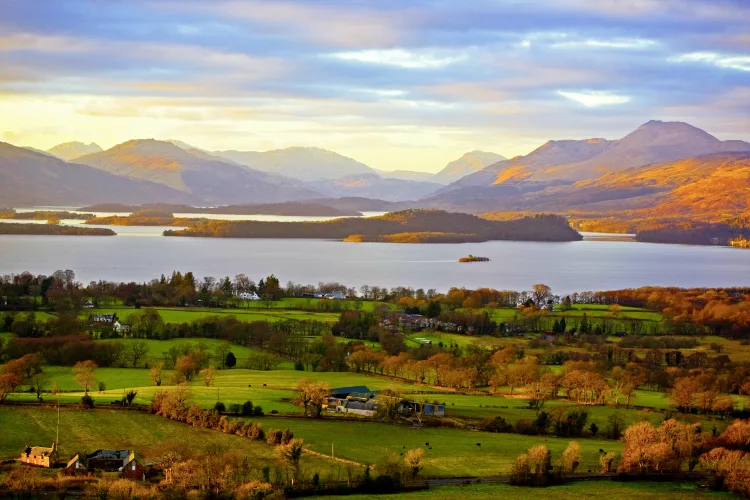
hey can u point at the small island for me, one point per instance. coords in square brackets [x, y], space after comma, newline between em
[10, 213]
[150, 217]
[407, 226]
[53, 230]
[473, 258]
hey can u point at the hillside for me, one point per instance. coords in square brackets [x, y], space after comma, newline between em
[509, 184]
[471, 228]
[71, 150]
[306, 164]
[376, 187]
[205, 178]
[469, 163]
[28, 178]
[698, 190]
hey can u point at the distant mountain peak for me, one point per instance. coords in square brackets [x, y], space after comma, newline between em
[71, 150]
[298, 162]
[467, 164]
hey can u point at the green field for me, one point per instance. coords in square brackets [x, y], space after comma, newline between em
[89, 430]
[578, 310]
[157, 349]
[589, 489]
[231, 386]
[454, 452]
[187, 314]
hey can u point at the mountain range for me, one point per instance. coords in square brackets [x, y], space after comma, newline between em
[561, 175]
[667, 168]
[29, 178]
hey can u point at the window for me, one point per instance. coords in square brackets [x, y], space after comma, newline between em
[133, 466]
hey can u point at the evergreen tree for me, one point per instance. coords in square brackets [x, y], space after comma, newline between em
[231, 360]
[584, 328]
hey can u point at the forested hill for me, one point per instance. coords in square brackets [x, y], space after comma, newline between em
[461, 227]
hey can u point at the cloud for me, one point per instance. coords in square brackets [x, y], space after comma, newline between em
[593, 98]
[615, 43]
[401, 58]
[380, 79]
[737, 62]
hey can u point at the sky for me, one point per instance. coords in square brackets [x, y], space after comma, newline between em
[396, 84]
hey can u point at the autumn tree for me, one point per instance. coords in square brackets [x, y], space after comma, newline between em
[413, 461]
[571, 458]
[209, 375]
[540, 460]
[155, 374]
[83, 373]
[291, 453]
[541, 294]
[312, 395]
[187, 367]
[684, 391]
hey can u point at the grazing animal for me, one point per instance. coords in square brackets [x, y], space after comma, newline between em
[479, 444]
[264, 385]
[249, 385]
[427, 444]
[601, 451]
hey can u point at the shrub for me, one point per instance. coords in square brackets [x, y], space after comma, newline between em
[526, 426]
[220, 407]
[235, 409]
[258, 411]
[497, 424]
[87, 401]
[274, 436]
[287, 436]
[102, 387]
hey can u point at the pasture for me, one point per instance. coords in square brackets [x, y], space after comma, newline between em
[573, 491]
[187, 314]
[89, 430]
[450, 452]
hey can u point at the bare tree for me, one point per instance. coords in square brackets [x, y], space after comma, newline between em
[40, 383]
[137, 350]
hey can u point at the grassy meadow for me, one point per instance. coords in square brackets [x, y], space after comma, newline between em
[187, 314]
[450, 452]
[573, 491]
[88, 430]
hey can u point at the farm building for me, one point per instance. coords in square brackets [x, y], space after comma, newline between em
[135, 467]
[344, 392]
[248, 296]
[38, 455]
[103, 318]
[426, 409]
[109, 460]
[358, 408]
[76, 465]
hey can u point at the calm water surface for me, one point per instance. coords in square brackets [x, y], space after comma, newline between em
[141, 253]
